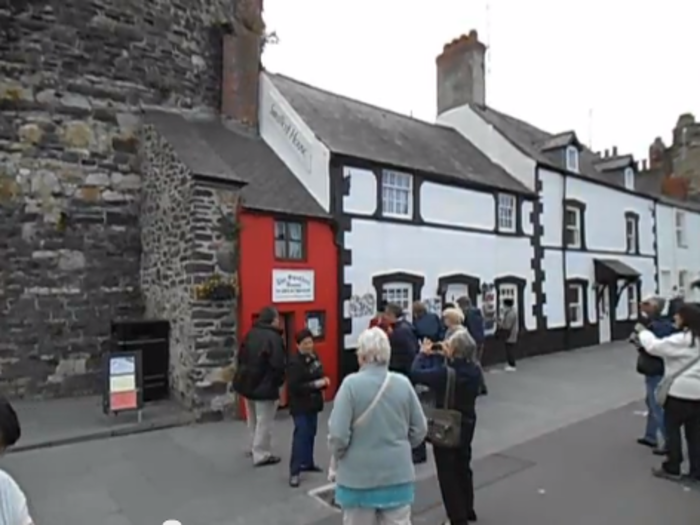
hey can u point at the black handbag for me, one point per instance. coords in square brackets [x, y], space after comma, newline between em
[445, 424]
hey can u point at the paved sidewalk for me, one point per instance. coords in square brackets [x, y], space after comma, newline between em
[198, 474]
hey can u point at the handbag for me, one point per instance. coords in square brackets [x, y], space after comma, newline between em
[445, 424]
[661, 392]
[361, 418]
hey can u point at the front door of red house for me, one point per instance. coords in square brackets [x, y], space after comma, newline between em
[288, 333]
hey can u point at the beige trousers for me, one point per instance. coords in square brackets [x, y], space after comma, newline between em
[261, 419]
[400, 516]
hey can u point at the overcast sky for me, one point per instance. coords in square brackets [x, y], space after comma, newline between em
[634, 64]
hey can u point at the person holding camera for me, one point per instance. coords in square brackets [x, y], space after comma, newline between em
[453, 464]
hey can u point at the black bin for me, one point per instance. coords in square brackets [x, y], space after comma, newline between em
[152, 339]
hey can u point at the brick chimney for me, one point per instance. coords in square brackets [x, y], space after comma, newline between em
[240, 78]
[461, 73]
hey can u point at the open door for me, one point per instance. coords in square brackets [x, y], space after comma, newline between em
[288, 333]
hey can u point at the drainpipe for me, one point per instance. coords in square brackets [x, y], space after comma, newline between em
[564, 266]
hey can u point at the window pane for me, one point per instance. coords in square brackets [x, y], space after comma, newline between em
[280, 249]
[295, 231]
[571, 217]
[402, 203]
[295, 249]
[279, 230]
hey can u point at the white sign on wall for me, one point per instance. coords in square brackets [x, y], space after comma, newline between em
[296, 140]
[292, 286]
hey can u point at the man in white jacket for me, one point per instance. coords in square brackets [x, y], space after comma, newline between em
[681, 389]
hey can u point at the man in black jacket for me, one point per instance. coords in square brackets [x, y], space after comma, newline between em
[260, 367]
[404, 348]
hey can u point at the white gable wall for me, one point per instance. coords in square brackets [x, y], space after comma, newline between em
[491, 143]
[673, 258]
[294, 142]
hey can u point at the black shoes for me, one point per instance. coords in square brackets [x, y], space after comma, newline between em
[313, 468]
[647, 443]
[471, 517]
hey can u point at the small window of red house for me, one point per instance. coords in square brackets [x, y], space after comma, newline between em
[290, 241]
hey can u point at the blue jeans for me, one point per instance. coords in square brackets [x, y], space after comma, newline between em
[305, 426]
[655, 415]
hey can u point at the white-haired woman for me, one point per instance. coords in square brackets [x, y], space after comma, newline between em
[376, 422]
[454, 320]
[430, 368]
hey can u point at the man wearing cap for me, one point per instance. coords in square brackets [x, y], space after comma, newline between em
[652, 368]
[13, 502]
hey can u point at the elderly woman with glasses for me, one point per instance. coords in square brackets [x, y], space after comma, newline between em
[430, 368]
[376, 422]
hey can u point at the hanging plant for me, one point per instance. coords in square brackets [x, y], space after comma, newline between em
[217, 288]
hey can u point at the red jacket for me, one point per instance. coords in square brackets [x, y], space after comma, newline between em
[379, 322]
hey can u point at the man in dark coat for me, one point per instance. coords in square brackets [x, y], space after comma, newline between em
[427, 325]
[260, 371]
[404, 348]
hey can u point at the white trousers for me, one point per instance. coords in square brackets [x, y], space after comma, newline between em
[400, 516]
[261, 419]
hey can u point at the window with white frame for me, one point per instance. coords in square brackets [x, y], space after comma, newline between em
[397, 194]
[683, 281]
[575, 304]
[572, 159]
[629, 178]
[632, 302]
[631, 233]
[400, 294]
[680, 229]
[506, 212]
[507, 291]
[665, 285]
[572, 223]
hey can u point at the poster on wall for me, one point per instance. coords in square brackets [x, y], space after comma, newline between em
[293, 286]
[122, 382]
[488, 307]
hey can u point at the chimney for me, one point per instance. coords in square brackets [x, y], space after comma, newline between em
[461, 73]
[606, 154]
[240, 77]
[614, 151]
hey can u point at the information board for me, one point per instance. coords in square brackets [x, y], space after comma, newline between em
[122, 383]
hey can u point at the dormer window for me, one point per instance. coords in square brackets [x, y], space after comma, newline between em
[629, 178]
[572, 159]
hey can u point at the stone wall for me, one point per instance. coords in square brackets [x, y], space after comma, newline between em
[182, 230]
[73, 77]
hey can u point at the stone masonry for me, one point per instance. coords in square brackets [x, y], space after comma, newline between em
[184, 240]
[74, 77]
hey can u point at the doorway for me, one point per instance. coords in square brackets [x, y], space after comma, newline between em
[288, 334]
[604, 316]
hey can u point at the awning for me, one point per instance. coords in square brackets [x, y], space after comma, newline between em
[609, 271]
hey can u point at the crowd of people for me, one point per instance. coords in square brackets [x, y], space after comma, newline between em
[378, 427]
[669, 360]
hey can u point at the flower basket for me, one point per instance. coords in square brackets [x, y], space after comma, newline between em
[217, 288]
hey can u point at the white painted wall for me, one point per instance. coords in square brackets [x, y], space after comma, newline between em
[491, 142]
[294, 142]
[551, 197]
[380, 247]
[673, 258]
[441, 204]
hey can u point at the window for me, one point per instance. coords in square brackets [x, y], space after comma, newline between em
[680, 229]
[397, 194]
[572, 159]
[632, 302]
[400, 294]
[506, 212]
[683, 281]
[507, 291]
[629, 178]
[575, 304]
[289, 241]
[665, 283]
[631, 233]
[572, 221]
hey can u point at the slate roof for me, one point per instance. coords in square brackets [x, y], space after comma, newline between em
[360, 130]
[211, 149]
[618, 162]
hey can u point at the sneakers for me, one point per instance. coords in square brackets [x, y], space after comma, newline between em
[269, 460]
[665, 474]
[294, 481]
[509, 368]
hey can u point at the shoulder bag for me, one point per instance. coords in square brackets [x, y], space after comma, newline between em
[445, 424]
[360, 419]
[661, 392]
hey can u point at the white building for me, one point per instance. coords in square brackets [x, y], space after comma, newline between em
[596, 248]
[422, 213]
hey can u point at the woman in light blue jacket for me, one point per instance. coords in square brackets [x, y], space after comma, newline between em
[375, 424]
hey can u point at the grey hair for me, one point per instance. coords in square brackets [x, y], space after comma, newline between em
[454, 314]
[656, 300]
[373, 346]
[462, 344]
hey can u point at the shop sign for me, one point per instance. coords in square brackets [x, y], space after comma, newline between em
[292, 286]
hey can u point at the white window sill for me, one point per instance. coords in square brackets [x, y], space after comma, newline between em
[576, 324]
[398, 216]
